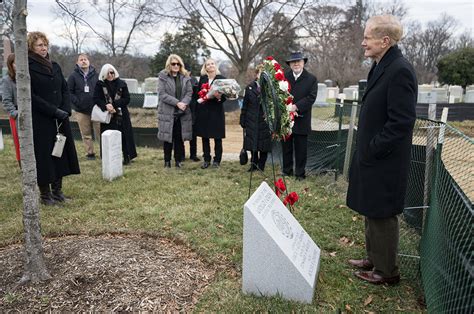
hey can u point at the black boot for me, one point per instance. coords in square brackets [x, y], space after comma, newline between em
[57, 192]
[167, 164]
[46, 198]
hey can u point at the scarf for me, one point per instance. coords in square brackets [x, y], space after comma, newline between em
[45, 62]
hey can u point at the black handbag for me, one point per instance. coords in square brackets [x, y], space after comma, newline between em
[243, 157]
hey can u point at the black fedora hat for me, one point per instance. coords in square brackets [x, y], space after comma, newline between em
[295, 56]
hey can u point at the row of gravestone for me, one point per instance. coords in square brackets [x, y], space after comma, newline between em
[279, 257]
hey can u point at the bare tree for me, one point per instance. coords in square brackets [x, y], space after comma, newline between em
[35, 267]
[6, 19]
[424, 47]
[242, 29]
[119, 16]
[74, 31]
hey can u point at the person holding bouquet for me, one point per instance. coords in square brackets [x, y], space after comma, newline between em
[210, 118]
[174, 114]
[257, 137]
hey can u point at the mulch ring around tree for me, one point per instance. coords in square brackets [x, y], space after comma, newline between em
[106, 273]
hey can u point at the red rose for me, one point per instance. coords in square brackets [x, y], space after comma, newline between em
[280, 187]
[279, 76]
[289, 100]
[277, 66]
[291, 198]
[269, 58]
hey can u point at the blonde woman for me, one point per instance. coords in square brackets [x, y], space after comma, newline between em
[174, 115]
[111, 94]
[210, 118]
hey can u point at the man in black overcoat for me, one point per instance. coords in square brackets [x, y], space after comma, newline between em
[379, 168]
[304, 88]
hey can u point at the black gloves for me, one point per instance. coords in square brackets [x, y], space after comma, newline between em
[61, 114]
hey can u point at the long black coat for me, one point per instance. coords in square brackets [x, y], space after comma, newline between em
[379, 169]
[122, 124]
[304, 91]
[257, 133]
[49, 92]
[210, 117]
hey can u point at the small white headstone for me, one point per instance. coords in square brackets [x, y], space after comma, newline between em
[150, 101]
[455, 93]
[350, 92]
[151, 85]
[132, 85]
[111, 155]
[1, 140]
[469, 97]
[425, 88]
[441, 95]
[322, 95]
[279, 257]
[333, 92]
[426, 98]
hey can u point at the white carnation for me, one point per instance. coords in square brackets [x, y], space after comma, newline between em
[283, 86]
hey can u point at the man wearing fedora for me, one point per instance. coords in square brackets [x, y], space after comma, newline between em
[304, 88]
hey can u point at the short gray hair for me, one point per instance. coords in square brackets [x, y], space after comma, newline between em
[386, 25]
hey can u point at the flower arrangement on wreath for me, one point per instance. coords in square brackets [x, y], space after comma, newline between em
[285, 99]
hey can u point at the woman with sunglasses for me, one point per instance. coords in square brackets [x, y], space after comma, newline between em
[111, 94]
[51, 108]
[174, 115]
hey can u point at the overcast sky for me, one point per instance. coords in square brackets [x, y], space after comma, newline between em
[40, 18]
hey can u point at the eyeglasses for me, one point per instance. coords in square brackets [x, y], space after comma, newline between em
[175, 63]
[112, 72]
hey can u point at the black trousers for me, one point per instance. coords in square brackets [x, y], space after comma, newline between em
[298, 144]
[206, 148]
[177, 143]
[381, 245]
[258, 159]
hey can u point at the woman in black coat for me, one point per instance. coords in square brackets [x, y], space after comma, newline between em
[51, 108]
[379, 168]
[210, 118]
[257, 137]
[111, 94]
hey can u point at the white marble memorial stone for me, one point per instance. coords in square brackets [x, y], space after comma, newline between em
[1, 140]
[333, 92]
[455, 94]
[441, 95]
[426, 98]
[132, 85]
[150, 100]
[151, 85]
[322, 95]
[350, 92]
[279, 257]
[111, 154]
[469, 97]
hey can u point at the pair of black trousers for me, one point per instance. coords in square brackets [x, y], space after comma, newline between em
[298, 144]
[381, 244]
[206, 148]
[177, 143]
[192, 148]
[258, 159]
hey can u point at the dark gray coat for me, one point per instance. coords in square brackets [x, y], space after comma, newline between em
[80, 100]
[167, 107]
[379, 168]
[257, 133]
[9, 96]
[48, 93]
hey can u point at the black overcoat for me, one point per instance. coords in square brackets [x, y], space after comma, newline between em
[304, 91]
[257, 133]
[122, 124]
[49, 92]
[379, 168]
[210, 117]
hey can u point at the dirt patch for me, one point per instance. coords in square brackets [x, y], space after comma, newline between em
[106, 273]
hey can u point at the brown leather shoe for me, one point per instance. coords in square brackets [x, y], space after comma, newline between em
[364, 263]
[375, 279]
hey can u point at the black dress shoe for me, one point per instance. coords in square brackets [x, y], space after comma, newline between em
[167, 164]
[205, 165]
[376, 279]
[216, 164]
[178, 164]
[364, 263]
[195, 158]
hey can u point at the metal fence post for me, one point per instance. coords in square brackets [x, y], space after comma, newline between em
[430, 147]
[350, 136]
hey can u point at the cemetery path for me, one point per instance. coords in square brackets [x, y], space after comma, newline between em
[107, 273]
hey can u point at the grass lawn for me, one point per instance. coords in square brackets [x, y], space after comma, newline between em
[204, 210]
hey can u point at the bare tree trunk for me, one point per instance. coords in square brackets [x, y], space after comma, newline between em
[35, 268]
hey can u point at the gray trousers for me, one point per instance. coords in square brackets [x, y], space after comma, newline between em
[381, 244]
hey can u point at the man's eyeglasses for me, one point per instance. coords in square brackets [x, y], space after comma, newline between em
[175, 63]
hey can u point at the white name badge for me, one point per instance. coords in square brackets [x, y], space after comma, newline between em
[86, 88]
